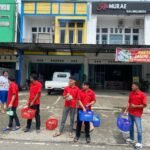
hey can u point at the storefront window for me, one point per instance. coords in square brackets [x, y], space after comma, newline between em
[62, 36]
[104, 39]
[80, 36]
[116, 39]
[71, 36]
[127, 39]
[135, 39]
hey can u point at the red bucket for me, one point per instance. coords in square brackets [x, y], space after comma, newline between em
[28, 113]
[51, 124]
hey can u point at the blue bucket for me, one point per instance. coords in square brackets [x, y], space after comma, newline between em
[123, 123]
[86, 116]
[96, 121]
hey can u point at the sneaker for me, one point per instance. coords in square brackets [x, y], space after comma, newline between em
[129, 141]
[138, 145]
[76, 139]
[27, 130]
[88, 140]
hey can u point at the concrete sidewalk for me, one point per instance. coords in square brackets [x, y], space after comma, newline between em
[108, 105]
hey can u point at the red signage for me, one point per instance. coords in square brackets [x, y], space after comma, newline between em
[133, 55]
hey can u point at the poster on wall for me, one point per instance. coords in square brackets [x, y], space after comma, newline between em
[133, 55]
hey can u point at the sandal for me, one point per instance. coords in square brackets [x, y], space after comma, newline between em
[57, 134]
[16, 128]
[7, 129]
[71, 135]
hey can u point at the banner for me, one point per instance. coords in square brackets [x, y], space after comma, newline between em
[133, 55]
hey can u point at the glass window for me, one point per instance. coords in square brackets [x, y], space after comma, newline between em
[127, 30]
[98, 30]
[111, 30]
[62, 23]
[44, 29]
[80, 35]
[116, 30]
[72, 24]
[48, 29]
[97, 39]
[34, 38]
[34, 29]
[104, 39]
[71, 36]
[135, 30]
[135, 39]
[80, 24]
[127, 39]
[104, 30]
[116, 39]
[62, 36]
[39, 29]
[120, 30]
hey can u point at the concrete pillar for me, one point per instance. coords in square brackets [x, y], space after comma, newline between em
[147, 30]
[91, 27]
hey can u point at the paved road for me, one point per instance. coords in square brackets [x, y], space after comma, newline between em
[17, 145]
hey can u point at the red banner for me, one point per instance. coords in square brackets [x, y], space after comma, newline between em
[133, 55]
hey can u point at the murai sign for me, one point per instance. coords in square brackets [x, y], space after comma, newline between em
[120, 8]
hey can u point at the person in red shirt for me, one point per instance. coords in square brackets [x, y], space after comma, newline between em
[34, 102]
[12, 104]
[86, 98]
[70, 95]
[136, 103]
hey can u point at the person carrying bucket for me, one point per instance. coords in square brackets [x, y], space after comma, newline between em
[86, 98]
[137, 102]
[70, 95]
[34, 102]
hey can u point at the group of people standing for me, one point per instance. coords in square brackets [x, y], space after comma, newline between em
[75, 99]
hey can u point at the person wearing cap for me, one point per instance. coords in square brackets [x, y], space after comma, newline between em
[86, 99]
[12, 104]
[70, 95]
[136, 104]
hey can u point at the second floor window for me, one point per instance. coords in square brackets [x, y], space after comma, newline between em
[126, 36]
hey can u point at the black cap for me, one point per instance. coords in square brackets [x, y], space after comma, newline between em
[86, 83]
[73, 78]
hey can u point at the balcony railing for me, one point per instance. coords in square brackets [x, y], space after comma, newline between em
[38, 40]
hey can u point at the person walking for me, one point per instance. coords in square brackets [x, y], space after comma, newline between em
[136, 103]
[70, 95]
[86, 99]
[3, 90]
[34, 102]
[12, 104]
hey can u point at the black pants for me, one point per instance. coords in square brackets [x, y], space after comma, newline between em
[79, 126]
[14, 117]
[37, 117]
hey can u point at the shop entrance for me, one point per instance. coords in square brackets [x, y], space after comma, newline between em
[117, 77]
[45, 71]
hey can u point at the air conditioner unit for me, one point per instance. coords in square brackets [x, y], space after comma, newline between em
[139, 22]
[121, 23]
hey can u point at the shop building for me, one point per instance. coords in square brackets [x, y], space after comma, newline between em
[53, 23]
[8, 33]
[117, 23]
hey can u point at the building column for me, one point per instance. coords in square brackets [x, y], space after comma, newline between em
[147, 30]
[91, 28]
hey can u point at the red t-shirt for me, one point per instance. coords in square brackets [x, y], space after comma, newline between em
[73, 91]
[35, 88]
[137, 98]
[13, 90]
[86, 97]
